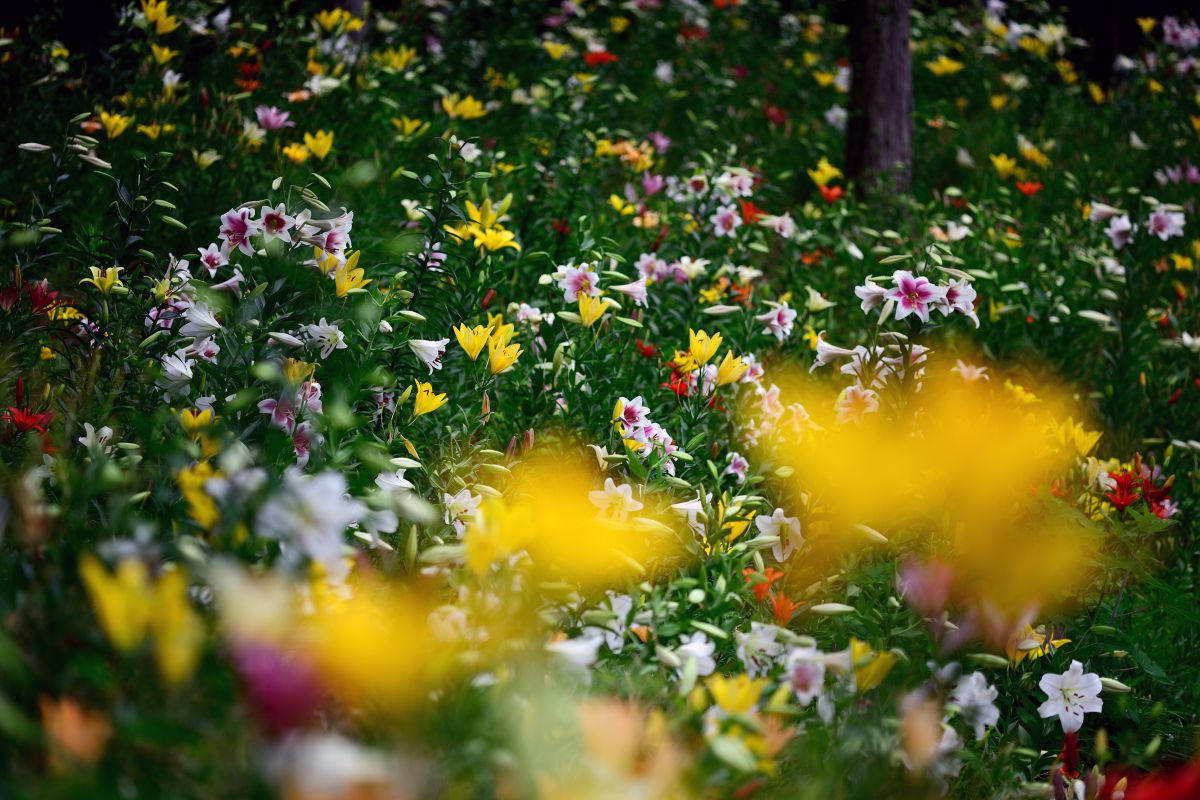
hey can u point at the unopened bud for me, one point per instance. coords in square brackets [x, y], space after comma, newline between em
[1114, 686]
[832, 609]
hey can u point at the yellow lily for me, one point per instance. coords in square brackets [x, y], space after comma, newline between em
[191, 481]
[346, 279]
[462, 107]
[869, 672]
[702, 346]
[425, 401]
[500, 357]
[731, 369]
[296, 153]
[105, 280]
[407, 126]
[824, 173]
[944, 65]
[162, 54]
[494, 239]
[319, 143]
[471, 340]
[122, 599]
[591, 309]
[737, 695]
[178, 629]
[1004, 164]
[114, 124]
[194, 420]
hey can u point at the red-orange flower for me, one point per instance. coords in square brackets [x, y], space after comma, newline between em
[761, 581]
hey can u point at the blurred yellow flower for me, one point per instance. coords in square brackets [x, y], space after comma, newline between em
[194, 420]
[557, 50]
[870, 667]
[114, 124]
[457, 107]
[191, 481]
[319, 143]
[1031, 644]
[824, 173]
[162, 54]
[943, 65]
[296, 153]
[738, 695]
[122, 599]
[407, 126]
[1004, 164]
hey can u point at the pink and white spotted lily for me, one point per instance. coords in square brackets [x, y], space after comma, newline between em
[914, 295]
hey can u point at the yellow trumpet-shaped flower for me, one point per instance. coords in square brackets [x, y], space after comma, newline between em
[824, 173]
[194, 420]
[487, 214]
[331, 19]
[122, 599]
[870, 667]
[471, 340]
[731, 370]
[1030, 643]
[494, 239]
[407, 126]
[114, 124]
[191, 481]
[1004, 164]
[738, 695]
[462, 107]
[944, 65]
[162, 54]
[327, 263]
[500, 333]
[346, 278]
[501, 357]
[702, 346]
[105, 280]
[156, 14]
[296, 153]
[297, 372]
[556, 50]
[397, 59]
[591, 309]
[155, 130]
[319, 143]
[178, 629]
[425, 401]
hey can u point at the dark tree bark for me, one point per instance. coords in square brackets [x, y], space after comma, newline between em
[879, 151]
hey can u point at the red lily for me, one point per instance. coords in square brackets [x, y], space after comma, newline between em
[1126, 493]
[784, 608]
[764, 580]
[832, 193]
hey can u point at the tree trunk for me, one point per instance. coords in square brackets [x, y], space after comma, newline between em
[879, 141]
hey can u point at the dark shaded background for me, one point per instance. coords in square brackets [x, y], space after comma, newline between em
[85, 26]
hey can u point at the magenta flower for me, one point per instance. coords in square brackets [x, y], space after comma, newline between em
[272, 119]
[237, 226]
[914, 295]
